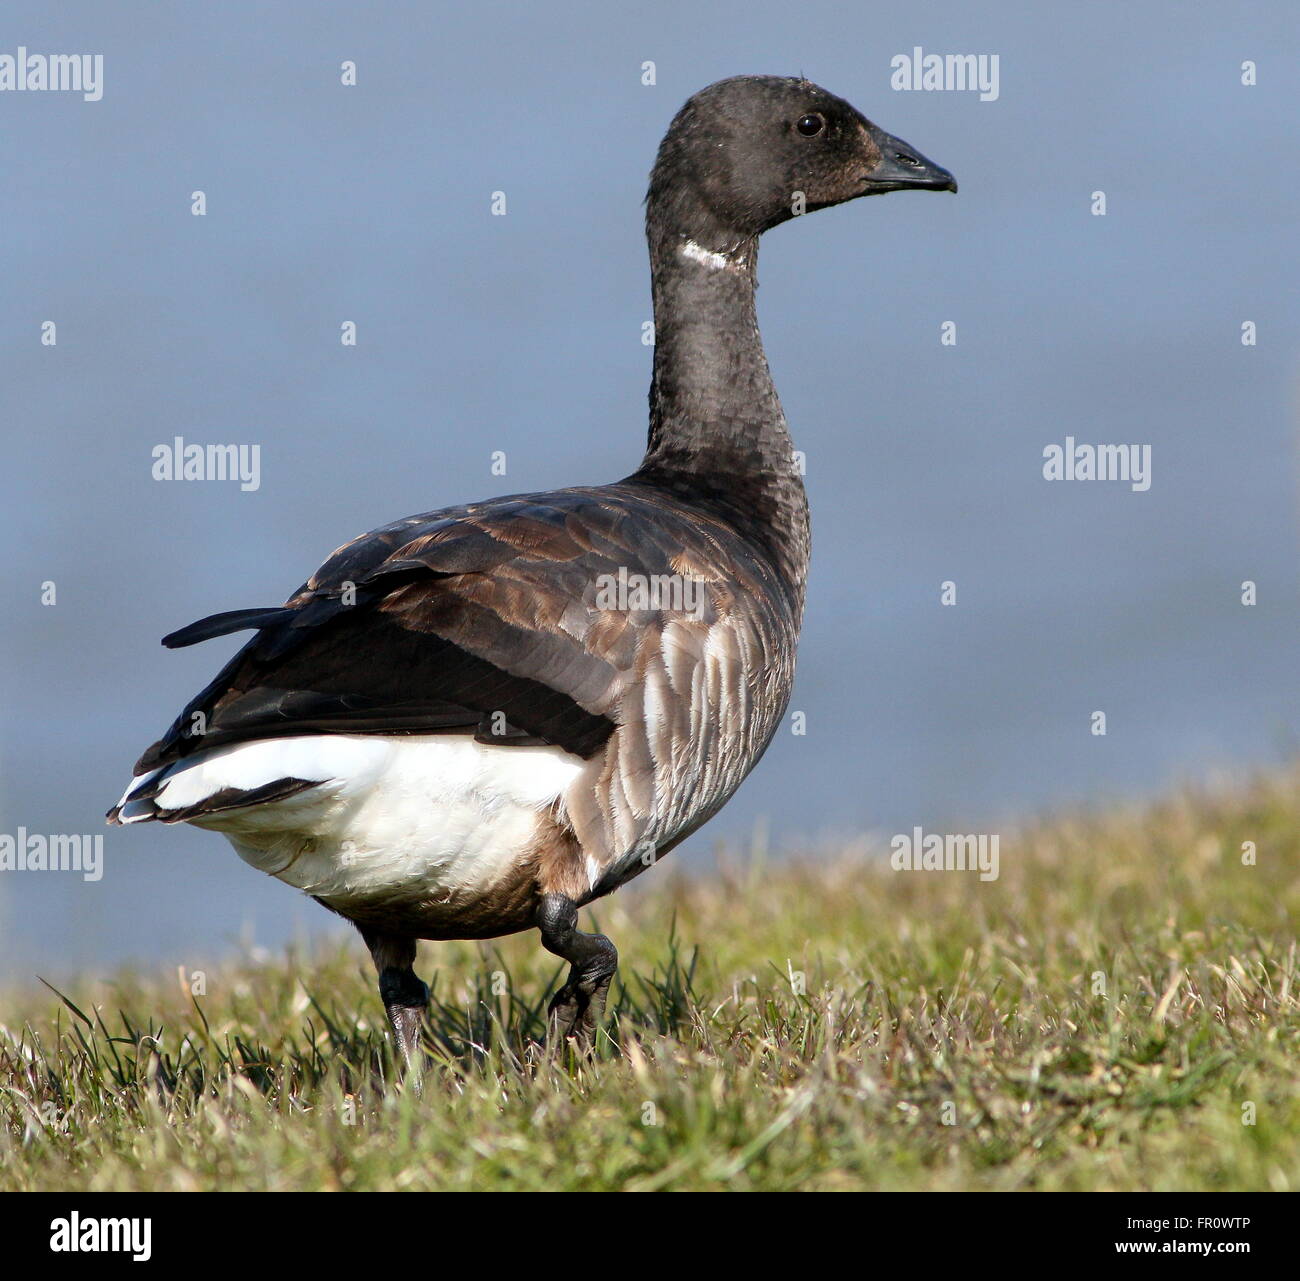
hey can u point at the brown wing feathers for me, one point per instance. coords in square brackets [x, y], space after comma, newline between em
[454, 622]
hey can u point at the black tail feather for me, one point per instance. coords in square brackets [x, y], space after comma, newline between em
[234, 620]
[234, 798]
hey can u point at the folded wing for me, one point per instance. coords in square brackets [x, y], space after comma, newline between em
[482, 620]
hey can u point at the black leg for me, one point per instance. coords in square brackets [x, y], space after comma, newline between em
[404, 996]
[577, 1008]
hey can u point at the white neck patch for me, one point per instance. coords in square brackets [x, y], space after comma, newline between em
[705, 257]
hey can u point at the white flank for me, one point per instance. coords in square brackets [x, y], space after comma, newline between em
[401, 815]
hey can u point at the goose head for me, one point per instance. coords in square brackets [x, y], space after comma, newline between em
[749, 153]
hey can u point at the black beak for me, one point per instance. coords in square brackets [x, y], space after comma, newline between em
[902, 167]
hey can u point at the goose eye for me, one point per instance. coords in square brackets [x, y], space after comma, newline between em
[810, 125]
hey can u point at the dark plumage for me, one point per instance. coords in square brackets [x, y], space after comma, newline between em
[608, 734]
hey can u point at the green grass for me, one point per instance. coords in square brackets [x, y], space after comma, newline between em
[1098, 1018]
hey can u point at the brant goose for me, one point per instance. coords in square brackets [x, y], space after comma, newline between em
[478, 720]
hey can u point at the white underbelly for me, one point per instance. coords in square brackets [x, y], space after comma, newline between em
[393, 817]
